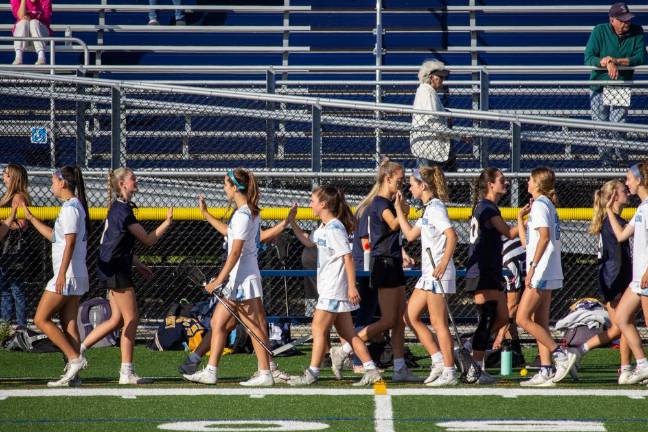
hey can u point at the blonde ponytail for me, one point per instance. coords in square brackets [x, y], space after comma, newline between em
[601, 198]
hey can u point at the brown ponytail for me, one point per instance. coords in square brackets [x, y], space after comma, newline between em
[337, 205]
[74, 183]
[545, 181]
[480, 186]
[247, 185]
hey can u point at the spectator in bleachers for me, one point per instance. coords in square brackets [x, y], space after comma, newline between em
[614, 44]
[33, 19]
[429, 146]
[179, 13]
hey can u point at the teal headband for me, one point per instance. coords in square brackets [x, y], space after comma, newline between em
[238, 185]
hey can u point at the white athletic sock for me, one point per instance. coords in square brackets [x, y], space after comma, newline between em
[626, 367]
[264, 371]
[482, 364]
[126, 368]
[194, 358]
[273, 365]
[437, 357]
[314, 370]
[347, 348]
[19, 56]
[370, 365]
[211, 369]
[82, 349]
[41, 55]
[450, 369]
[584, 348]
[399, 363]
[642, 363]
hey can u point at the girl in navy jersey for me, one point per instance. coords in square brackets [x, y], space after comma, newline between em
[336, 287]
[386, 274]
[69, 239]
[241, 276]
[115, 266]
[637, 295]
[615, 268]
[544, 275]
[484, 265]
[440, 239]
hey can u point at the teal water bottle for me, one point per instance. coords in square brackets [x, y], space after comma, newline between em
[506, 360]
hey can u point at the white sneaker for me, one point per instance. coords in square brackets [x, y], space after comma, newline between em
[307, 378]
[188, 367]
[337, 361]
[131, 378]
[71, 370]
[563, 364]
[203, 376]
[638, 375]
[404, 375]
[279, 376]
[370, 377]
[435, 372]
[538, 380]
[446, 379]
[624, 375]
[486, 379]
[259, 380]
[153, 22]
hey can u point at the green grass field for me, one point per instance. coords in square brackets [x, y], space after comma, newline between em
[595, 403]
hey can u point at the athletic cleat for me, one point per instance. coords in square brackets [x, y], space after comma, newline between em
[435, 373]
[539, 380]
[307, 378]
[404, 375]
[337, 361]
[188, 367]
[71, 370]
[563, 364]
[259, 380]
[486, 379]
[446, 379]
[624, 375]
[203, 376]
[279, 376]
[370, 377]
[638, 375]
[132, 378]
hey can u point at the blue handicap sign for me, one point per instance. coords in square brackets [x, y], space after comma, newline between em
[38, 135]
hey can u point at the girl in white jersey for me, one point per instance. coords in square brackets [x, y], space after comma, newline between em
[439, 237]
[70, 281]
[544, 274]
[637, 295]
[336, 285]
[241, 276]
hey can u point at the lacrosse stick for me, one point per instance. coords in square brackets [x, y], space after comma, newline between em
[196, 276]
[465, 359]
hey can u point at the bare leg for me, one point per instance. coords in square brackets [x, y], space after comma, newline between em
[625, 312]
[416, 305]
[322, 322]
[501, 318]
[533, 305]
[253, 315]
[127, 305]
[68, 318]
[114, 322]
[219, 331]
[49, 304]
[439, 319]
[344, 326]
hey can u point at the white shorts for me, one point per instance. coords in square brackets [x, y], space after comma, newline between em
[548, 285]
[434, 285]
[248, 289]
[74, 286]
[335, 306]
[635, 286]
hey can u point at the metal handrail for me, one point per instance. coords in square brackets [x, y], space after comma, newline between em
[52, 41]
[336, 103]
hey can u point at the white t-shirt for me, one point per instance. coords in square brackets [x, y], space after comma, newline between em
[244, 226]
[640, 243]
[332, 245]
[425, 140]
[70, 220]
[433, 224]
[544, 215]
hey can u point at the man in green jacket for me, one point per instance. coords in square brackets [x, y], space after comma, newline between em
[613, 44]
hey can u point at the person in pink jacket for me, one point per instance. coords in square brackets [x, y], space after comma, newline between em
[33, 18]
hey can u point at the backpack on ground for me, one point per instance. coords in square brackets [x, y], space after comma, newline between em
[93, 312]
[30, 341]
[178, 333]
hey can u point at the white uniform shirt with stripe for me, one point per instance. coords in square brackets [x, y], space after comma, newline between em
[333, 244]
[433, 224]
[244, 226]
[544, 215]
[640, 243]
[70, 220]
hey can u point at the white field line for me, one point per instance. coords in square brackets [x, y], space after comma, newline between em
[278, 391]
[383, 414]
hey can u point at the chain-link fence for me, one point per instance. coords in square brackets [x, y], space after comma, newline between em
[175, 136]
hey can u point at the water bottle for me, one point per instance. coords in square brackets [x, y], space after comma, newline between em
[506, 360]
[68, 34]
[366, 256]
